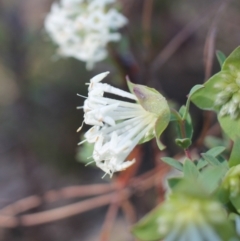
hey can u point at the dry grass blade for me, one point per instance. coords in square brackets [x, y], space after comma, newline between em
[109, 221]
[141, 183]
[146, 22]
[180, 38]
[209, 53]
[209, 48]
[31, 202]
[129, 211]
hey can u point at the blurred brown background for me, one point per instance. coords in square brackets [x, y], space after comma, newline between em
[38, 116]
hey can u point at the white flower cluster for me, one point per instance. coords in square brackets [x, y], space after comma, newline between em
[83, 28]
[118, 126]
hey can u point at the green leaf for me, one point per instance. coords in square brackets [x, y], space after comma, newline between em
[189, 186]
[172, 162]
[130, 85]
[213, 141]
[160, 145]
[201, 163]
[204, 98]
[84, 152]
[221, 57]
[147, 228]
[233, 216]
[233, 60]
[160, 125]
[211, 160]
[223, 161]
[184, 128]
[211, 177]
[187, 122]
[223, 195]
[190, 170]
[150, 99]
[212, 152]
[183, 143]
[215, 161]
[235, 202]
[215, 151]
[173, 182]
[230, 126]
[192, 91]
[234, 159]
[175, 116]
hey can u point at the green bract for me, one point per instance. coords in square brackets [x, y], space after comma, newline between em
[221, 93]
[152, 101]
[186, 215]
[231, 181]
[231, 187]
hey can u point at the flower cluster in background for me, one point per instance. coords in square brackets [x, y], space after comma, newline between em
[83, 28]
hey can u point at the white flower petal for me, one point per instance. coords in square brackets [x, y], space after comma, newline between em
[99, 77]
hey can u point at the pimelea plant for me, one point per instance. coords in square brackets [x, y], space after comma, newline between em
[134, 136]
[204, 202]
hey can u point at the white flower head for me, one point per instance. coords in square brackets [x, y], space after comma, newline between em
[118, 126]
[83, 28]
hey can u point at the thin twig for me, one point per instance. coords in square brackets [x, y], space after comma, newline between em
[146, 22]
[9, 221]
[21, 206]
[127, 6]
[62, 212]
[109, 221]
[140, 183]
[209, 48]
[209, 53]
[78, 191]
[207, 120]
[129, 211]
[124, 177]
[188, 154]
[180, 38]
[56, 195]
[150, 179]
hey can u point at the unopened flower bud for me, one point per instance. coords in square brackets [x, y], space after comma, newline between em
[185, 217]
[231, 182]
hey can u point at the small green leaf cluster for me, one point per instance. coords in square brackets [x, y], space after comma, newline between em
[221, 93]
[194, 209]
[204, 201]
[183, 122]
[186, 217]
